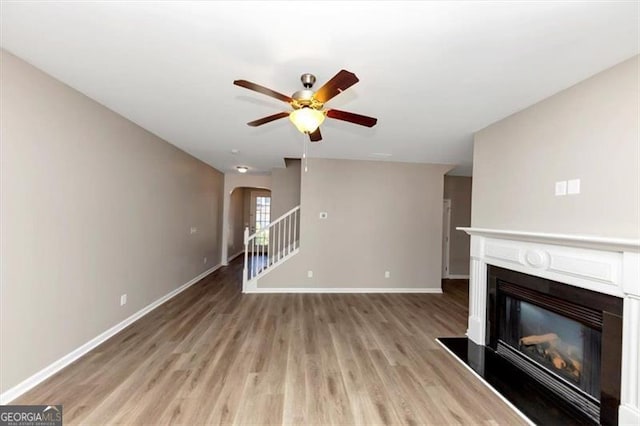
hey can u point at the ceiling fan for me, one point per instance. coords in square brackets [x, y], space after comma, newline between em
[308, 112]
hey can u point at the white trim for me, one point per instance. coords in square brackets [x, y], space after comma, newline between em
[344, 290]
[628, 415]
[22, 387]
[295, 209]
[629, 411]
[232, 257]
[505, 400]
[590, 241]
[600, 270]
[457, 277]
[250, 286]
[446, 237]
[477, 300]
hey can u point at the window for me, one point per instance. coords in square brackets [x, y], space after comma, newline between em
[263, 219]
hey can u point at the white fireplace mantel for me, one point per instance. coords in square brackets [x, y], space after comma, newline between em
[604, 265]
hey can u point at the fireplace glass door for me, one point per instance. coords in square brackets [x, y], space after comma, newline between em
[565, 347]
[568, 339]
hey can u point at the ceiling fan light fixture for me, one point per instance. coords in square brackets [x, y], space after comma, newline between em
[242, 169]
[306, 119]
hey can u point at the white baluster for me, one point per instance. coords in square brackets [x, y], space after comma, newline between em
[246, 258]
[253, 257]
[279, 240]
[289, 236]
[295, 227]
[284, 235]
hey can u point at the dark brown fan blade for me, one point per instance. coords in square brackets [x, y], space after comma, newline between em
[316, 136]
[340, 82]
[264, 120]
[362, 120]
[261, 89]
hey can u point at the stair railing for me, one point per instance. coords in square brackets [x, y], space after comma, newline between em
[271, 245]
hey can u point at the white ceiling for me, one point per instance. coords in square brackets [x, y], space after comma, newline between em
[431, 72]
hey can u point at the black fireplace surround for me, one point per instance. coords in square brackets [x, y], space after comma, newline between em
[567, 338]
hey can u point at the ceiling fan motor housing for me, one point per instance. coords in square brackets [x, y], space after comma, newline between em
[308, 80]
[304, 98]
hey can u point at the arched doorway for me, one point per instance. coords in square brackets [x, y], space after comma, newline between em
[249, 207]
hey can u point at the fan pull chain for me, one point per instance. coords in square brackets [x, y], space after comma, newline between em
[305, 144]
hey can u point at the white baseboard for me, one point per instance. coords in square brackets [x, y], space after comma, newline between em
[628, 415]
[231, 258]
[343, 290]
[456, 277]
[22, 387]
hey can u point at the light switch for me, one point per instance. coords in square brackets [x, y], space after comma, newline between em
[573, 186]
[323, 215]
[561, 188]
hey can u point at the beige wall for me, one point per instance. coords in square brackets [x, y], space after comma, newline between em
[458, 190]
[382, 216]
[246, 212]
[93, 207]
[589, 131]
[236, 221]
[285, 193]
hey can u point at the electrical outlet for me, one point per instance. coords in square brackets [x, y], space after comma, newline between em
[193, 230]
[204, 261]
[561, 188]
[387, 274]
[309, 274]
[123, 300]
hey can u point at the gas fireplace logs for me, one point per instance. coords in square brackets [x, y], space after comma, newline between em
[551, 348]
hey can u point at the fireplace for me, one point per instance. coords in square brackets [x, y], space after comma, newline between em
[567, 350]
[567, 338]
[582, 278]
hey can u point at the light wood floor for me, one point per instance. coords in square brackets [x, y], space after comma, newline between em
[214, 356]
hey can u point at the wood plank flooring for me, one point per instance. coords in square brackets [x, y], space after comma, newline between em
[212, 355]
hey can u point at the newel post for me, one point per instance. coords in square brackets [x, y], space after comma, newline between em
[246, 259]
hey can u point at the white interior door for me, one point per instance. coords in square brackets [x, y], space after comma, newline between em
[446, 230]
